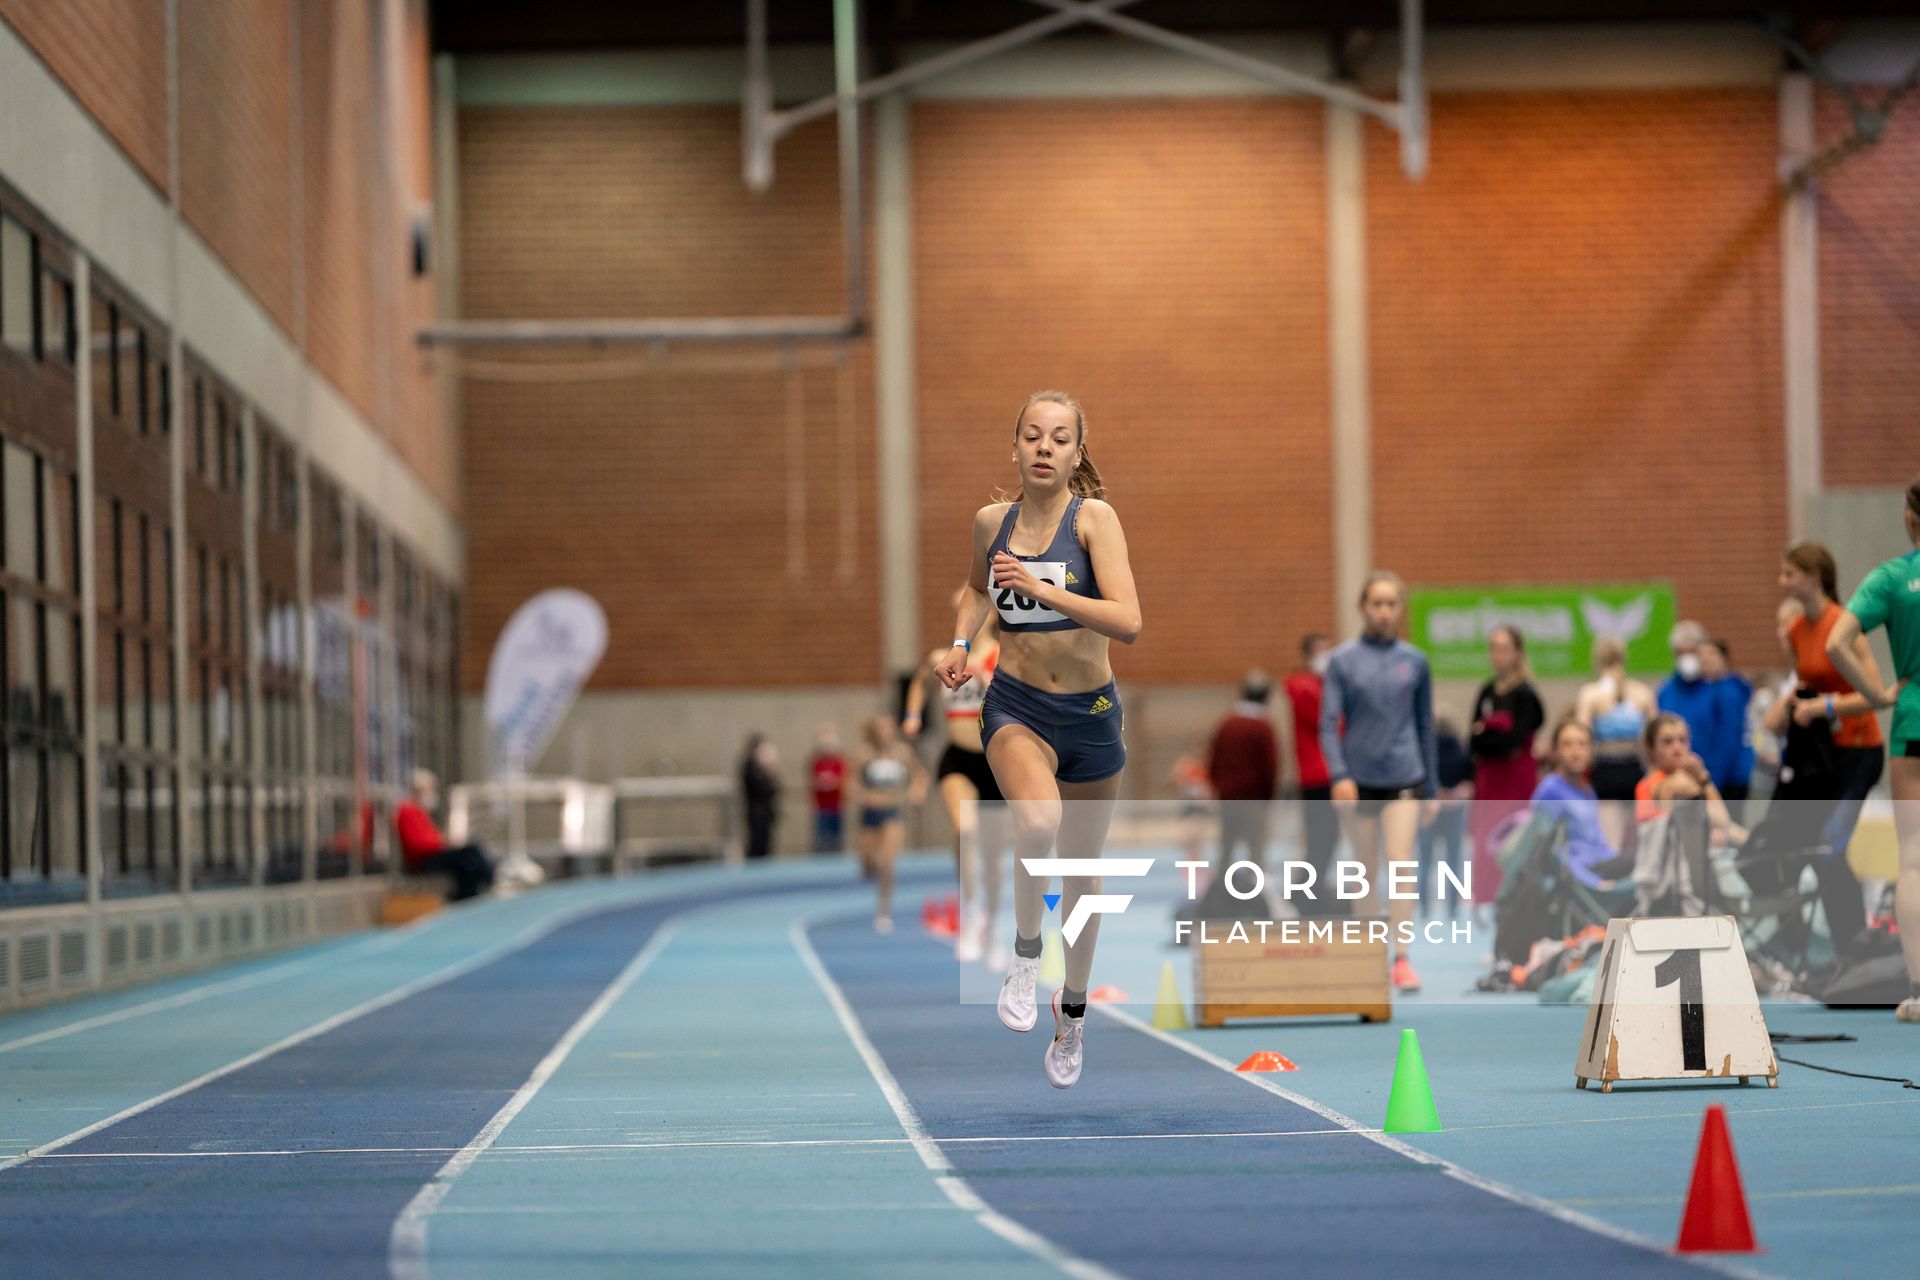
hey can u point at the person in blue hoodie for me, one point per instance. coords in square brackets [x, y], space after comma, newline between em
[1735, 694]
[1717, 730]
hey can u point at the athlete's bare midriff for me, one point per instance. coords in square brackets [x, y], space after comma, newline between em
[1057, 661]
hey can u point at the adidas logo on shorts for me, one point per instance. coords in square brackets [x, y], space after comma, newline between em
[1099, 704]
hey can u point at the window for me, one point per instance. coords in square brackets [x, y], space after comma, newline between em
[333, 683]
[56, 317]
[18, 267]
[278, 657]
[374, 661]
[219, 710]
[41, 838]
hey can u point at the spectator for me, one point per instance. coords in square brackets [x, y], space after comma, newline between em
[1444, 839]
[1677, 773]
[1566, 794]
[1321, 825]
[1506, 716]
[760, 788]
[1734, 774]
[1615, 708]
[1243, 766]
[424, 850]
[829, 770]
[1713, 733]
[1825, 704]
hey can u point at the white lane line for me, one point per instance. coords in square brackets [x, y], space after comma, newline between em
[407, 1246]
[1512, 1195]
[688, 1145]
[356, 951]
[526, 937]
[945, 1176]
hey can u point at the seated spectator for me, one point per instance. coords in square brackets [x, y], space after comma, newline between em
[425, 850]
[1565, 793]
[1675, 773]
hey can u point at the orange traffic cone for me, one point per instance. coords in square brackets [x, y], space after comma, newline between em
[1108, 994]
[1716, 1219]
[1268, 1060]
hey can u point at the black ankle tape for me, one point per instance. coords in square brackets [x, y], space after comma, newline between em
[1027, 948]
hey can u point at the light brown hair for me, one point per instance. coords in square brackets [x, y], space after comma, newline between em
[1085, 480]
[1814, 558]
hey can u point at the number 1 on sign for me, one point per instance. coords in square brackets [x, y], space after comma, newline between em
[1683, 967]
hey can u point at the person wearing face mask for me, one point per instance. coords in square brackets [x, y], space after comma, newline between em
[1715, 733]
[1733, 764]
[1305, 688]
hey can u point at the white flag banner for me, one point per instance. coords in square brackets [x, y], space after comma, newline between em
[545, 653]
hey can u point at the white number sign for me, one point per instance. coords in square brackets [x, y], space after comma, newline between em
[1674, 999]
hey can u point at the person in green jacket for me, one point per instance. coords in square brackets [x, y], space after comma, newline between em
[1890, 598]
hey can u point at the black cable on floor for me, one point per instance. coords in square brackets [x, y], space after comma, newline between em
[1902, 1081]
[1788, 1037]
[1791, 1037]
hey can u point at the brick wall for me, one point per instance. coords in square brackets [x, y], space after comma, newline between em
[1870, 304]
[236, 140]
[112, 55]
[415, 422]
[1576, 349]
[1164, 262]
[341, 194]
[1575, 344]
[314, 225]
[665, 494]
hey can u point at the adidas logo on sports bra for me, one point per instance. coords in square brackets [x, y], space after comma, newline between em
[1099, 704]
[1071, 580]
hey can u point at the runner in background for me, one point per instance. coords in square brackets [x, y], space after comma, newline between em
[1320, 825]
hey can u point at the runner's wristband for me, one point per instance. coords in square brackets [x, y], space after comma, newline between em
[962, 642]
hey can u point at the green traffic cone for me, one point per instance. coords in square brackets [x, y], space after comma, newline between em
[1410, 1106]
[1053, 959]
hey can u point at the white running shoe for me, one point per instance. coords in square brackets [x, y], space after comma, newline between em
[996, 959]
[883, 924]
[1909, 1010]
[1064, 1051]
[1016, 1005]
[970, 945]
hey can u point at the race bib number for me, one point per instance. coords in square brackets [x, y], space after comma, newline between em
[1020, 610]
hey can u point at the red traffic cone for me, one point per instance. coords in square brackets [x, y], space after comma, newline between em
[1108, 994]
[1268, 1060]
[1716, 1219]
[929, 914]
[951, 916]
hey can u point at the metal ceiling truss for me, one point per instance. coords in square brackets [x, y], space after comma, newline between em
[762, 127]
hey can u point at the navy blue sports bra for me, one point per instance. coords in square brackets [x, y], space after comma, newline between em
[1064, 562]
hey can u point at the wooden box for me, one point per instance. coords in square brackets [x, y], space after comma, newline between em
[404, 906]
[1292, 975]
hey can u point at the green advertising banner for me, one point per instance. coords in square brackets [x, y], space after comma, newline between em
[1559, 624]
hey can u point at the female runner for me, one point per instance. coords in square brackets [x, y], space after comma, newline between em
[975, 808]
[1052, 564]
[885, 774]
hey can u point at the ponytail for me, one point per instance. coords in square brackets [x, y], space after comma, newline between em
[1085, 480]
